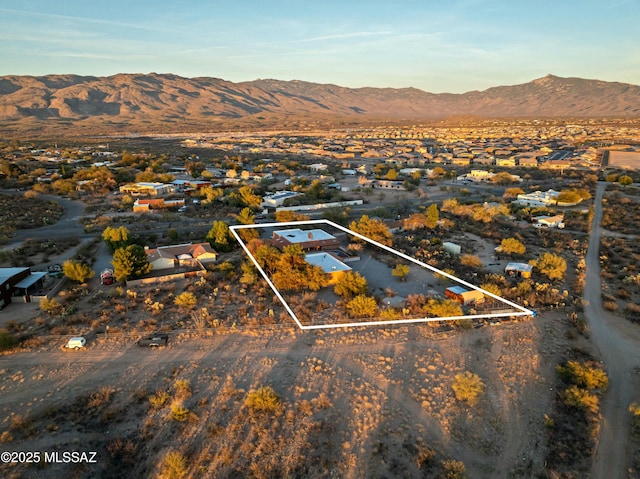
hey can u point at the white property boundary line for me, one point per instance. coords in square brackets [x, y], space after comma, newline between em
[522, 311]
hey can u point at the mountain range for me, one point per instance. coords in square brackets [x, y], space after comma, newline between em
[167, 102]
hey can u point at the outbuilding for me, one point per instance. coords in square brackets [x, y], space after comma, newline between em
[464, 296]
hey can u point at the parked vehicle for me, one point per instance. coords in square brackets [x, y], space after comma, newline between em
[76, 343]
[154, 341]
[106, 277]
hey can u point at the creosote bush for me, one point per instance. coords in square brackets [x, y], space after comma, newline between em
[263, 400]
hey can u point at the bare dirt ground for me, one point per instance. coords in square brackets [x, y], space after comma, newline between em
[385, 391]
[618, 341]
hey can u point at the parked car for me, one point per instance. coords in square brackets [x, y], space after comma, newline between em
[106, 277]
[76, 343]
[154, 341]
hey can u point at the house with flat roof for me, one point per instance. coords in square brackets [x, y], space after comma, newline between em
[464, 296]
[18, 282]
[148, 189]
[308, 239]
[278, 198]
[331, 265]
[522, 270]
[538, 198]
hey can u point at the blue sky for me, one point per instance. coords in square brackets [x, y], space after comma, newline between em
[438, 46]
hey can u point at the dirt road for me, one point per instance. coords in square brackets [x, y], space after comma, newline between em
[619, 344]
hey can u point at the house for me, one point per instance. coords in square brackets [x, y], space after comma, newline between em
[538, 198]
[175, 256]
[147, 189]
[278, 198]
[522, 270]
[556, 221]
[318, 167]
[528, 161]
[18, 282]
[144, 206]
[308, 239]
[332, 266]
[464, 296]
[181, 185]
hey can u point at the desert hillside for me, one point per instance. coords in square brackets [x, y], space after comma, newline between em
[163, 102]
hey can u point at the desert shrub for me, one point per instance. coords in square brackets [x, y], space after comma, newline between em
[468, 387]
[7, 341]
[471, 261]
[579, 398]
[159, 399]
[179, 413]
[182, 388]
[512, 246]
[174, 465]
[262, 400]
[362, 307]
[425, 456]
[6, 437]
[186, 300]
[50, 305]
[454, 469]
[586, 376]
[634, 409]
[101, 397]
[610, 306]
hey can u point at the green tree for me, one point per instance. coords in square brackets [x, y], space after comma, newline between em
[130, 262]
[583, 375]
[362, 307]
[77, 271]
[442, 308]
[512, 246]
[219, 237]
[194, 168]
[288, 215]
[468, 387]
[392, 174]
[401, 271]
[350, 284]
[293, 273]
[433, 215]
[625, 180]
[372, 229]
[116, 237]
[246, 217]
[550, 265]
[209, 194]
[249, 198]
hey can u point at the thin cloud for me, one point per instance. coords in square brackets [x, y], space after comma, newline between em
[95, 21]
[344, 35]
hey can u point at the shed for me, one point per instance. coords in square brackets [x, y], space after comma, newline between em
[519, 269]
[451, 247]
[464, 296]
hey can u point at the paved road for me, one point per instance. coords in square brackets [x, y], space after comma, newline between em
[619, 343]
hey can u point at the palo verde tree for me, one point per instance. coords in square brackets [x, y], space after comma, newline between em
[512, 246]
[130, 262]
[550, 265]
[293, 273]
[372, 229]
[219, 237]
[350, 284]
[77, 271]
[116, 237]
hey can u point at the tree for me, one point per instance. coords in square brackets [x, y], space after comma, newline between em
[550, 265]
[503, 178]
[194, 168]
[130, 262]
[350, 284]
[582, 399]
[625, 180]
[392, 174]
[400, 271]
[186, 300]
[362, 307]
[583, 375]
[513, 192]
[219, 237]
[442, 308]
[372, 229]
[246, 217]
[288, 215]
[209, 194]
[248, 198]
[468, 387]
[77, 271]
[116, 237]
[512, 246]
[433, 215]
[293, 273]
